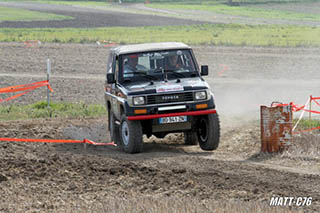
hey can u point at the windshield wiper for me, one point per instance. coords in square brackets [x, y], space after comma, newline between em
[143, 74]
[177, 74]
[165, 72]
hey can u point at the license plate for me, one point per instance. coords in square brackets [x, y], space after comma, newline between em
[176, 119]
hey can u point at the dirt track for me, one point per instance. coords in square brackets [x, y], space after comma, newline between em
[61, 177]
[245, 77]
[46, 177]
[167, 168]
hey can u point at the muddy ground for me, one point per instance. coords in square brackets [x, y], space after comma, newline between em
[60, 177]
[34, 173]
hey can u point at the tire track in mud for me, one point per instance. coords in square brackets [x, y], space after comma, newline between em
[178, 175]
[44, 172]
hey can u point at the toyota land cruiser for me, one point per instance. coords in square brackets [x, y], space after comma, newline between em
[156, 89]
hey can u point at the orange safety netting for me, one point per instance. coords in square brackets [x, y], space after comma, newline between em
[26, 88]
[86, 141]
[297, 108]
[23, 87]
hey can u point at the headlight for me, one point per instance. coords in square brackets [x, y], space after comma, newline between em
[201, 95]
[138, 100]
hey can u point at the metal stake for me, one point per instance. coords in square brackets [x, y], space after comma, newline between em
[310, 111]
[48, 78]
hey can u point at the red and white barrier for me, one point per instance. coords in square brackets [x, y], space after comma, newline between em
[32, 43]
[105, 43]
[303, 109]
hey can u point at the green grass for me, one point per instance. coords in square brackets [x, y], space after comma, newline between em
[307, 124]
[40, 110]
[219, 34]
[78, 3]
[181, 1]
[242, 11]
[10, 14]
[241, 2]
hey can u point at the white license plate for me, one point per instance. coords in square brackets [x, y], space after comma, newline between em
[176, 119]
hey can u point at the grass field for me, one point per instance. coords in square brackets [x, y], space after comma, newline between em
[78, 3]
[206, 34]
[10, 14]
[307, 124]
[40, 110]
[219, 34]
[242, 11]
[189, 1]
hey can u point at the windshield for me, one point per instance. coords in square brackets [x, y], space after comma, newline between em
[160, 65]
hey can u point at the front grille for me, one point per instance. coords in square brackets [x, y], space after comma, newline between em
[170, 98]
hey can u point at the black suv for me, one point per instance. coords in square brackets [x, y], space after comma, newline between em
[156, 89]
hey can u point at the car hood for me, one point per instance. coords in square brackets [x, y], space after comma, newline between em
[185, 84]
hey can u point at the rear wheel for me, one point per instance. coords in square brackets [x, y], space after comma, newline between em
[209, 132]
[131, 135]
[190, 138]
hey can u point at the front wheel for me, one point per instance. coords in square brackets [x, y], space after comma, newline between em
[131, 135]
[190, 138]
[209, 132]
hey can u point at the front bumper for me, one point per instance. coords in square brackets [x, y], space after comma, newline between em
[171, 108]
[189, 113]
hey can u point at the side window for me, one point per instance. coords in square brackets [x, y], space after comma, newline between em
[113, 65]
[116, 71]
[109, 64]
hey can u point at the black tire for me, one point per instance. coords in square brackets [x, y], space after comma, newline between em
[209, 132]
[190, 138]
[113, 129]
[130, 135]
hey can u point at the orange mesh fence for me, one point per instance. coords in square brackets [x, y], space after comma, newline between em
[86, 141]
[24, 88]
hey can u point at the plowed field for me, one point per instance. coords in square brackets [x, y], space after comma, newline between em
[168, 176]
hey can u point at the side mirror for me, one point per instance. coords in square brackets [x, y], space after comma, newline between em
[110, 78]
[204, 70]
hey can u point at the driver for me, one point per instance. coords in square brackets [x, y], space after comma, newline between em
[173, 63]
[132, 66]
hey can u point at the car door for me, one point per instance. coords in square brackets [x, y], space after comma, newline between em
[115, 88]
